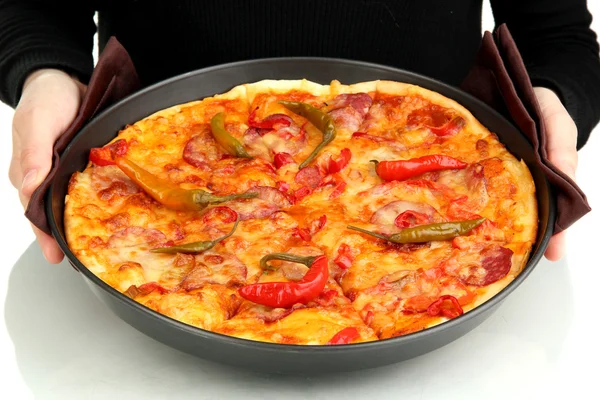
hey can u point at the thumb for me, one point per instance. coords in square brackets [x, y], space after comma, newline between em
[562, 132]
[36, 138]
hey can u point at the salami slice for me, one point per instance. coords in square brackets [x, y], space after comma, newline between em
[255, 144]
[135, 236]
[388, 214]
[202, 149]
[310, 177]
[348, 110]
[109, 180]
[215, 269]
[496, 262]
[285, 137]
[269, 201]
[271, 195]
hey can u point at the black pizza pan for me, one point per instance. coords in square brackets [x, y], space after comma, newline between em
[266, 357]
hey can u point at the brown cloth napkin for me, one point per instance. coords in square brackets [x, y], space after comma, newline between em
[113, 78]
[498, 78]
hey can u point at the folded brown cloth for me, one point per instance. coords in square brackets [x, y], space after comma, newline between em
[498, 78]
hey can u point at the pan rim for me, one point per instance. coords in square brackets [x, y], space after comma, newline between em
[200, 333]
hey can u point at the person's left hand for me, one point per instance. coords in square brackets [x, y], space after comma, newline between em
[562, 150]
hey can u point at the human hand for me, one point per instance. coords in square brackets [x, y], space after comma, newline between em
[49, 103]
[562, 150]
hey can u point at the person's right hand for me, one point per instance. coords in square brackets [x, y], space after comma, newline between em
[49, 103]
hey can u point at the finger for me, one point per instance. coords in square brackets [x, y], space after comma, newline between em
[562, 140]
[50, 249]
[556, 247]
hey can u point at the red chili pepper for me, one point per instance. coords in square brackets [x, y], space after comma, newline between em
[345, 336]
[369, 317]
[282, 186]
[327, 298]
[449, 128]
[338, 164]
[282, 159]
[338, 190]
[345, 257]
[410, 218]
[103, 156]
[303, 233]
[338, 181]
[318, 224]
[437, 307]
[286, 294]
[404, 169]
[150, 287]
[301, 193]
[269, 122]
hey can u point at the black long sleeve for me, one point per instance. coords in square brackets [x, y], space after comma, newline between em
[43, 34]
[432, 37]
[560, 52]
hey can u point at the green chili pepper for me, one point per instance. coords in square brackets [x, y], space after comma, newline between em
[196, 247]
[427, 233]
[170, 195]
[322, 121]
[228, 142]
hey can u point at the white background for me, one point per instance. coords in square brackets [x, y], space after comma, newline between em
[58, 341]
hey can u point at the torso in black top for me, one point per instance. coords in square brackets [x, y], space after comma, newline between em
[432, 37]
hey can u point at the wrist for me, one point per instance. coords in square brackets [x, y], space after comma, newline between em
[51, 74]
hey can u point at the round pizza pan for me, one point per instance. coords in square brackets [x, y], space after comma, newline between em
[280, 358]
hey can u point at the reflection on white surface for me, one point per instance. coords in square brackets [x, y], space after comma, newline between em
[68, 344]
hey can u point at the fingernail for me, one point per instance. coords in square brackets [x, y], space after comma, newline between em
[29, 178]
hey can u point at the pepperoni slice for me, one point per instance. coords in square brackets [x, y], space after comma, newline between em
[135, 236]
[110, 182]
[269, 201]
[269, 315]
[348, 110]
[401, 213]
[255, 144]
[495, 265]
[224, 270]
[202, 149]
[440, 121]
[283, 136]
[271, 195]
[219, 215]
[310, 177]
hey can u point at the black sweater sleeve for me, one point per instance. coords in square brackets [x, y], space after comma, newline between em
[43, 34]
[560, 52]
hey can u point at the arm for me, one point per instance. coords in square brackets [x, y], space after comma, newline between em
[560, 52]
[45, 52]
[36, 34]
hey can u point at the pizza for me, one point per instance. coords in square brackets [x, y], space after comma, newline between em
[291, 212]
